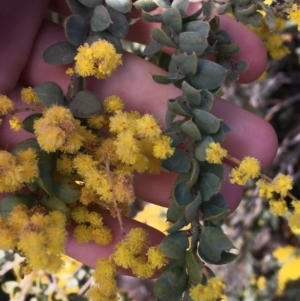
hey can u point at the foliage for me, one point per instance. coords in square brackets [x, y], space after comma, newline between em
[71, 165]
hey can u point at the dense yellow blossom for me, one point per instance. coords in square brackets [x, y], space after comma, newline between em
[210, 292]
[129, 254]
[265, 190]
[162, 148]
[99, 59]
[15, 124]
[290, 271]
[28, 96]
[155, 257]
[6, 105]
[249, 168]
[282, 254]
[294, 15]
[58, 130]
[90, 227]
[120, 122]
[39, 235]
[282, 184]
[64, 165]
[147, 127]
[126, 147]
[113, 103]
[17, 170]
[278, 207]
[275, 47]
[97, 121]
[215, 153]
[294, 221]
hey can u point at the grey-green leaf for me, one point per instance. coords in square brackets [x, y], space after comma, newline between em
[191, 211]
[187, 63]
[209, 184]
[160, 37]
[200, 149]
[91, 3]
[193, 267]
[29, 121]
[182, 194]
[175, 244]
[213, 242]
[61, 53]
[190, 42]
[201, 27]
[179, 162]
[49, 93]
[86, 104]
[193, 95]
[181, 5]
[80, 9]
[145, 5]
[8, 203]
[172, 18]
[209, 75]
[76, 29]
[67, 190]
[120, 25]
[206, 122]
[163, 3]
[171, 284]
[215, 209]
[100, 19]
[122, 6]
[151, 48]
[189, 128]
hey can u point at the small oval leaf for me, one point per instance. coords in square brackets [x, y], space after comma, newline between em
[122, 6]
[86, 104]
[49, 94]
[61, 53]
[76, 29]
[175, 244]
[100, 19]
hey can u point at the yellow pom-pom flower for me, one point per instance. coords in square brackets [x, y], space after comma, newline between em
[113, 103]
[28, 96]
[210, 292]
[58, 130]
[162, 148]
[282, 184]
[6, 105]
[100, 59]
[147, 127]
[15, 124]
[215, 153]
[294, 15]
[249, 168]
[278, 207]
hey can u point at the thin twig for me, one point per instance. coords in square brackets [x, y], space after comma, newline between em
[111, 188]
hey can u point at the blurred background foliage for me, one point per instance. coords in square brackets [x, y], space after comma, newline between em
[268, 267]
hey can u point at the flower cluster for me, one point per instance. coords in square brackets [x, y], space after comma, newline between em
[289, 258]
[276, 191]
[294, 15]
[210, 292]
[6, 105]
[99, 59]
[57, 129]
[249, 168]
[129, 253]
[90, 227]
[28, 96]
[215, 153]
[39, 235]
[273, 41]
[15, 170]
